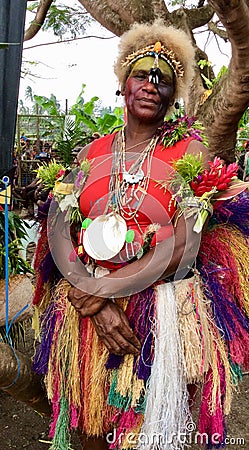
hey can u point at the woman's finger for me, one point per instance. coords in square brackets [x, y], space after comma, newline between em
[115, 337]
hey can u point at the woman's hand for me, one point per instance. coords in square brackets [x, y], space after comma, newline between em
[112, 327]
[84, 303]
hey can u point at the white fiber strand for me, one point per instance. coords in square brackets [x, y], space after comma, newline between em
[167, 412]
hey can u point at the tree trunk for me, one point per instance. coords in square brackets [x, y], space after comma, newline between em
[20, 298]
[18, 380]
[230, 97]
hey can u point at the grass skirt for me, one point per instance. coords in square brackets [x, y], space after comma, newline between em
[138, 401]
[192, 331]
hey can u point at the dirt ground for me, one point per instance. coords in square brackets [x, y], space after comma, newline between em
[22, 428]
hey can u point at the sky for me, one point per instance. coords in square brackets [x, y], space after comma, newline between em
[63, 67]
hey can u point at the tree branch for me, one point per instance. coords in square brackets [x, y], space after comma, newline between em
[109, 19]
[133, 10]
[68, 40]
[212, 26]
[198, 17]
[230, 97]
[39, 19]
[118, 19]
[161, 11]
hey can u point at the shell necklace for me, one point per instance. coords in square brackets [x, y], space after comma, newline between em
[127, 185]
[106, 235]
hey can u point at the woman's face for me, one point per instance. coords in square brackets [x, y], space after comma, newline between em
[148, 101]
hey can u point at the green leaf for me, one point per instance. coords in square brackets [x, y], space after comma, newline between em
[208, 82]
[189, 166]
[89, 106]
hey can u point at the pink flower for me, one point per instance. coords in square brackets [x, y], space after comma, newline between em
[60, 173]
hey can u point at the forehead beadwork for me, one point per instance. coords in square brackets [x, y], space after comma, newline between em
[157, 51]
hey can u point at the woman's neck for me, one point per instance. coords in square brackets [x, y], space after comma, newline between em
[137, 137]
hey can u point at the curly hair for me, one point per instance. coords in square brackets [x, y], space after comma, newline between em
[176, 41]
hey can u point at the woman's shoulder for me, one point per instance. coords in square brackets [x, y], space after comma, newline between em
[97, 147]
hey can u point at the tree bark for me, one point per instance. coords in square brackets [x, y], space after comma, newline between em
[18, 380]
[20, 296]
[198, 17]
[118, 16]
[40, 17]
[230, 97]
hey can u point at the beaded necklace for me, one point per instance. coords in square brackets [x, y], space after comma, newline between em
[106, 235]
[128, 184]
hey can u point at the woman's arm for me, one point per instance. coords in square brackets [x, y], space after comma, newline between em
[175, 254]
[172, 256]
[109, 320]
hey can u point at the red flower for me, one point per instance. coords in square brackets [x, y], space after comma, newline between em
[218, 176]
[60, 173]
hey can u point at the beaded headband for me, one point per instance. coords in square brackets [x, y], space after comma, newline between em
[158, 51]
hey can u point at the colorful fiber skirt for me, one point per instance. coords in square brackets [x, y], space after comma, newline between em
[193, 331]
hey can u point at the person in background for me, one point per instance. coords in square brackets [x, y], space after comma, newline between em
[26, 150]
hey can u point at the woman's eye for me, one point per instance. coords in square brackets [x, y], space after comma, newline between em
[140, 77]
[164, 82]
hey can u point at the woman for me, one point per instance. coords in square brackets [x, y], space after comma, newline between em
[123, 358]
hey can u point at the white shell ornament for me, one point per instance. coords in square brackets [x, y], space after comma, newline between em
[133, 178]
[105, 236]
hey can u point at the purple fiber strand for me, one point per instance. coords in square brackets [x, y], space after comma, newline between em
[47, 267]
[140, 313]
[114, 361]
[232, 211]
[40, 364]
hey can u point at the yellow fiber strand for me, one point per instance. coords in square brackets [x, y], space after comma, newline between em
[86, 373]
[71, 337]
[36, 322]
[138, 388]
[97, 382]
[49, 381]
[125, 374]
[40, 308]
[239, 249]
[201, 341]
[46, 298]
[216, 393]
[218, 347]
[64, 360]
[193, 327]
[229, 389]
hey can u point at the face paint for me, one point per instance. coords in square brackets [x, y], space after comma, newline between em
[144, 99]
[146, 65]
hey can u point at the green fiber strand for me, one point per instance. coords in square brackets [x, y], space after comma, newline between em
[61, 440]
[236, 373]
